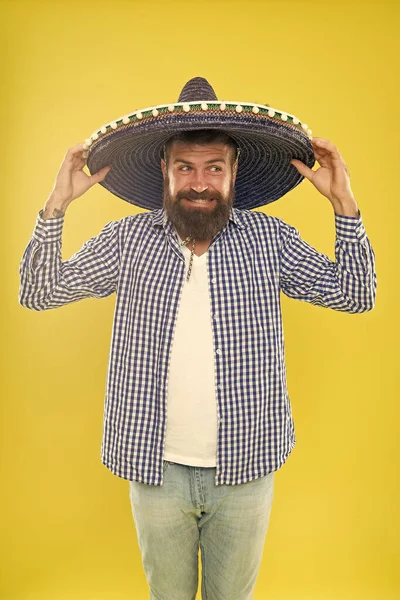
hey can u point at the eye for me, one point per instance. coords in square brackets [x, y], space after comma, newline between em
[184, 167]
[218, 168]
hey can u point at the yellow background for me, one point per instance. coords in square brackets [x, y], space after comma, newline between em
[68, 68]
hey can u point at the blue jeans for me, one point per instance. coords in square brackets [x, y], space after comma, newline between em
[229, 522]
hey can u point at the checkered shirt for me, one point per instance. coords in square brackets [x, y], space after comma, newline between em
[250, 261]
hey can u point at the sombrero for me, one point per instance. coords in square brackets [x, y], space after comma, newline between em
[268, 139]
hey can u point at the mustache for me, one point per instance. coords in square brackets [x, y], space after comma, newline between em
[193, 195]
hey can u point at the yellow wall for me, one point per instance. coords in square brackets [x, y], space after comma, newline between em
[69, 67]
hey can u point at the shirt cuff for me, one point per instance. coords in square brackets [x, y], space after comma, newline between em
[48, 230]
[350, 229]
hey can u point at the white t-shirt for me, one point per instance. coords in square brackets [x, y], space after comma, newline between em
[191, 434]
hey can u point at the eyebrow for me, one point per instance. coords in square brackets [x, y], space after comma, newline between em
[186, 162]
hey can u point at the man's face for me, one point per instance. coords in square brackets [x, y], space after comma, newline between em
[199, 183]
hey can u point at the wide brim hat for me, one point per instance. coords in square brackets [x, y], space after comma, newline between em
[268, 139]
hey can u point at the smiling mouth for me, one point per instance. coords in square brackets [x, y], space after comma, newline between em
[200, 201]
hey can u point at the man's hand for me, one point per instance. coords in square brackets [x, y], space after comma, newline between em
[332, 179]
[72, 181]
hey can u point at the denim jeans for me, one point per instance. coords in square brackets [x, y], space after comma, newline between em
[228, 522]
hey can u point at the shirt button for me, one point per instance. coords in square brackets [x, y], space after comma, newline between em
[219, 387]
[218, 351]
[213, 280]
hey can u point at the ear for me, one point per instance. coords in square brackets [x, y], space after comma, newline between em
[234, 171]
[163, 168]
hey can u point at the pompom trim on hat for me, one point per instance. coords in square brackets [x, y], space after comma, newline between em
[160, 109]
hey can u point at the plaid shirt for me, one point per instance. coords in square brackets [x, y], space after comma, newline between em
[250, 261]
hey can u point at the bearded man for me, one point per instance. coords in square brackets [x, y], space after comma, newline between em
[197, 415]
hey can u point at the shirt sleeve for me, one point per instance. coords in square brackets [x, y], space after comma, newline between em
[347, 284]
[46, 281]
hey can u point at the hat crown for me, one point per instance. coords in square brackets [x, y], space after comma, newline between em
[197, 88]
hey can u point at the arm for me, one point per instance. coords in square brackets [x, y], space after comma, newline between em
[46, 281]
[348, 284]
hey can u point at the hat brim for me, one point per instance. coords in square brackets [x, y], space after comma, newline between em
[267, 145]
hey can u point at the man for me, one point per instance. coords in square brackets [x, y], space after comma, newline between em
[197, 326]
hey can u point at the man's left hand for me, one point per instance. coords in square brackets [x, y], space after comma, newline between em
[332, 178]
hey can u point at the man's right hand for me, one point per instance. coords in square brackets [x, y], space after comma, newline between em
[71, 182]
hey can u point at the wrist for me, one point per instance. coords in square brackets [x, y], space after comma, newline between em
[55, 207]
[346, 207]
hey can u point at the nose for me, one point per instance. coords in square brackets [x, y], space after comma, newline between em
[198, 182]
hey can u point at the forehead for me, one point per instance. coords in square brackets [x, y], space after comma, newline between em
[200, 151]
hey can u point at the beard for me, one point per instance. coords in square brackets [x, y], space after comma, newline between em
[201, 224]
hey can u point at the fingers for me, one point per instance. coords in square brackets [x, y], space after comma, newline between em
[75, 158]
[322, 147]
[327, 152]
[302, 168]
[100, 175]
[75, 151]
[103, 172]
